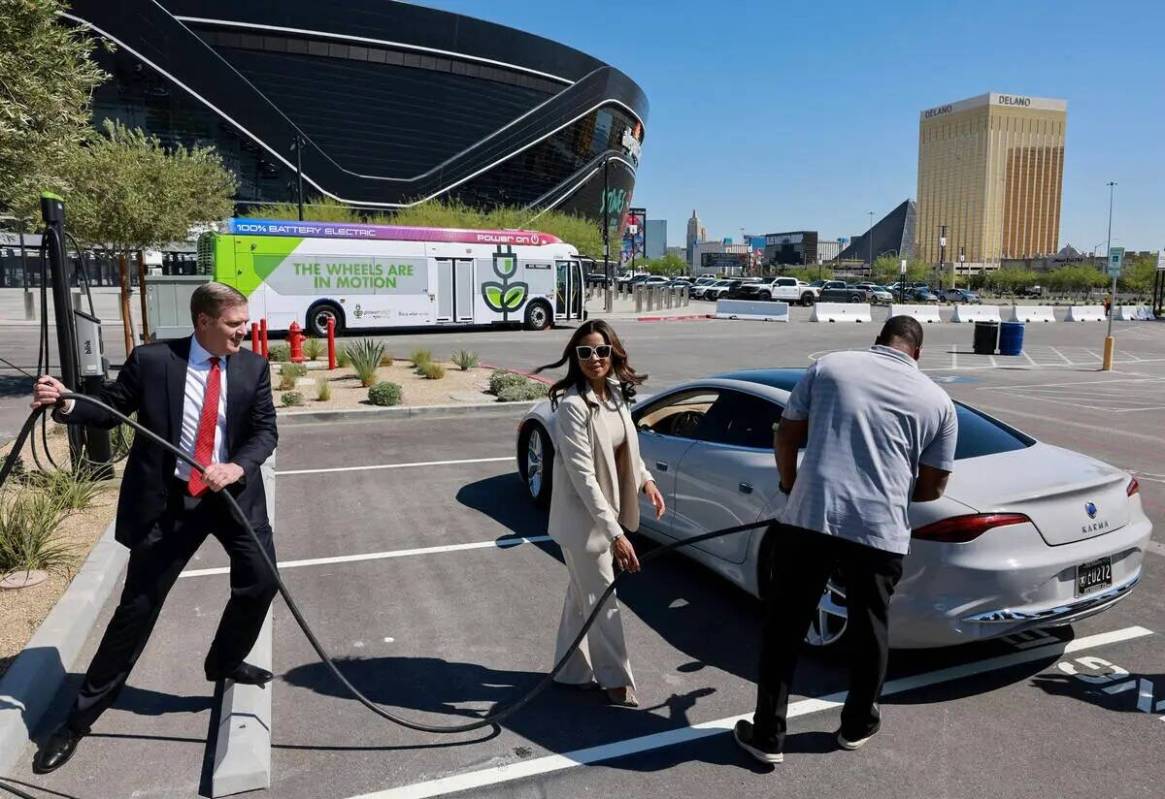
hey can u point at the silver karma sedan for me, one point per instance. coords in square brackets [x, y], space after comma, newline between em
[1028, 535]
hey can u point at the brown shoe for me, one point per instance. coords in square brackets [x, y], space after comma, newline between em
[622, 697]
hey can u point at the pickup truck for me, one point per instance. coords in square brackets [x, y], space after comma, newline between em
[784, 289]
[843, 294]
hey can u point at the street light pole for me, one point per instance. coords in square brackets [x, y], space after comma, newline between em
[870, 241]
[299, 171]
[942, 252]
[610, 300]
[1109, 343]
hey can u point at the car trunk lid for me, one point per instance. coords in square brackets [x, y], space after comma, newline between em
[1069, 496]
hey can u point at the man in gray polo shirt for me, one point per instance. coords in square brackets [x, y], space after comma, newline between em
[877, 434]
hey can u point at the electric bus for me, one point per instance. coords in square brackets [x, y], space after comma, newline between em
[380, 276]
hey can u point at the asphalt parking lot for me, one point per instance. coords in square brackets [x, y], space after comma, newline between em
[422, 567]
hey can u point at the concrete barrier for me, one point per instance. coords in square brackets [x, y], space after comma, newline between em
[1133, 313]
[840, 312]
[923, 313]
[1032, 313]
[1086, 313]
[976, 313]
[759, 311]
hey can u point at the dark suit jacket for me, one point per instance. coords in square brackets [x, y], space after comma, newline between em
[153, 383]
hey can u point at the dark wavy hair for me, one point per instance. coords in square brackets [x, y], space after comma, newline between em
[628, 378]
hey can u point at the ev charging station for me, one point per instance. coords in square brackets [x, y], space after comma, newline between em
[83, 365]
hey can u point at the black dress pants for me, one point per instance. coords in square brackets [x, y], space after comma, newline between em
[154, 565]
[803, 561]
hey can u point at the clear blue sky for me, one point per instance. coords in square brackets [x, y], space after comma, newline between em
[780, 116]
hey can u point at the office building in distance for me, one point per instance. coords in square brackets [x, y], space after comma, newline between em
[991, 170]
[796, 248]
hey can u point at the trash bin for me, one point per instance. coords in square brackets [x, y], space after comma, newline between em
[1011, 338]
[986, 336]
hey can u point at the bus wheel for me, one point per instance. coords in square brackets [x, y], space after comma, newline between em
[538, 316]
[318, 316]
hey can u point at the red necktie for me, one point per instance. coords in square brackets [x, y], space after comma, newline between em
[207, 424]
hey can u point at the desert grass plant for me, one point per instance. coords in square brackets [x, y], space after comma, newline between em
[421, 357]
[386, 359]
[74, 491]
[433, 371]
[28, 533]
[313, 348]
[465, 360]
[365, 356]
[293, 369]
[323, 389]
[385, 394]
[286, 382]
[279, 353]
[292, 399]
[342, 359]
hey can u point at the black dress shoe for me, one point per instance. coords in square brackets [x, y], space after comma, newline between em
[245, 674]
[56, 750]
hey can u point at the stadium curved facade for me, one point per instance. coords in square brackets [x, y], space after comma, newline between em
[394, 103]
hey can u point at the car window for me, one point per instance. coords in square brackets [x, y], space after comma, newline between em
[980, 435]
[740, 420]
[678, 415]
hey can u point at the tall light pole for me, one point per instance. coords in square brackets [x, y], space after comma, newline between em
[1109, 344]
[870, 241]
[942, 252]
[299, 142]
[610, 298]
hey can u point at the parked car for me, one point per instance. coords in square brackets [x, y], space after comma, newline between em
[880, 295]
[1027, 535]
[742, 288]
[1030, 291]
[962, 295]
[843, 293]
[785, 289]
[722, 290]
[701, 292]
[596, 278]
[923, 295]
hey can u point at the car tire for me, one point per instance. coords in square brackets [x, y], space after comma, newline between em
[855, 298]
[807, 299]
[831, 621]
[538, 316]
[318, 314]
[536, 462]
[765, 296]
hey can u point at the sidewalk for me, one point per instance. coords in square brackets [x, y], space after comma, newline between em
[106, 304]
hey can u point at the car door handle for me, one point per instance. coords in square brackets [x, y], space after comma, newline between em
[745, 488]
[661, 466]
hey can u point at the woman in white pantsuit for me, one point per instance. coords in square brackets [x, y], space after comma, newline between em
[597, 477]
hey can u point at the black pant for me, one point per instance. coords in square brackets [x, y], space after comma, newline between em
[802, 563]
[154, 564]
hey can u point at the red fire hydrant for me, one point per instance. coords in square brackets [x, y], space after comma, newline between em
[295, 340]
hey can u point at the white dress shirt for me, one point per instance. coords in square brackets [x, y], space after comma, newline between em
[197, 375]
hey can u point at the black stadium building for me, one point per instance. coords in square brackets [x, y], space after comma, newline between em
[395, 103]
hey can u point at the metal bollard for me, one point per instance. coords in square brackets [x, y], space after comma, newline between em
[650, 299]
[687, 295]
[671, 293]
[29, 305]
[638, 300]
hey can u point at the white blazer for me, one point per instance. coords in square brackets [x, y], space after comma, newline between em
[593, 494]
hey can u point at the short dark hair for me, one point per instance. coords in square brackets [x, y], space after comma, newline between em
[905, 328]
[212, 299]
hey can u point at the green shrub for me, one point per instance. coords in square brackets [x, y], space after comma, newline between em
[530, 390]
[286, 382]
[433, 371]
[313, 348]
[465, 360]
[71, 490]
[292, 399]
[342, 359]
[279, 353]
[502, 378]
[384, 394]
[323, 389]
[386, 359]
[293, 369]
[421, 357]
[28, 524]
[365, 357]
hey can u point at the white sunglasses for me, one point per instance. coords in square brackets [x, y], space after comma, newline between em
[585, 352]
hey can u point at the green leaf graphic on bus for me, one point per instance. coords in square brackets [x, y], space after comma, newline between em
[514, 297]
[505, 265]
[492, 292]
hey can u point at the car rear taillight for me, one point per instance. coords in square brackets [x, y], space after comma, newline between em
[961, 529]
[1133, 487]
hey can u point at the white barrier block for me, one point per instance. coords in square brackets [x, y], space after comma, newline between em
[922, 313]
[1032, 313]
[976, 313]
[840, 312]
[1086, 313]
[748, 309]
[1125, 313]
[1145, 313]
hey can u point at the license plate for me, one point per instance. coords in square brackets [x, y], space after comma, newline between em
[1094, 575]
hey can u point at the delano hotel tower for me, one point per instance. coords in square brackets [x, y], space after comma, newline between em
[990, 168]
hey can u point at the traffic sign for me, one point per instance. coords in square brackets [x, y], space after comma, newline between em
[902, 267]
[1161, 261]
[1116, 256]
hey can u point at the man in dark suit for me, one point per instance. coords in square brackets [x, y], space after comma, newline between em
[211, 399]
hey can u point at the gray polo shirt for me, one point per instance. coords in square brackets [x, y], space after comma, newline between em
[873, 417]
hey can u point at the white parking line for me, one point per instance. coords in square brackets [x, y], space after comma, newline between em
[581, 757]
[503, 543]
[1053, 349]
[392, 466]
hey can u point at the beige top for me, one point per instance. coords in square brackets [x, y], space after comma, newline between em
[613, 421]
